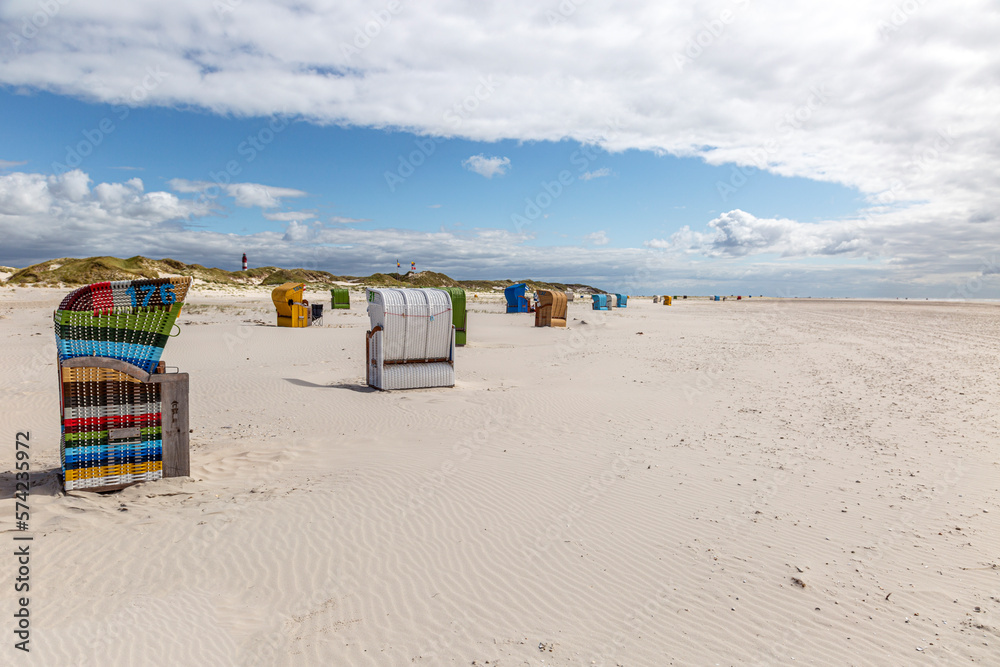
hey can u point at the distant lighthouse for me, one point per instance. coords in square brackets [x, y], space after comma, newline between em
[244, 261]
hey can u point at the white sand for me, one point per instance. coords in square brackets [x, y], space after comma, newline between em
[642, 500]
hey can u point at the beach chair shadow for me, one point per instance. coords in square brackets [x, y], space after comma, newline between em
[353, 386]
[44, 481]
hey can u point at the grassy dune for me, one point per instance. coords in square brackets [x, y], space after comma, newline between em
[71, 271]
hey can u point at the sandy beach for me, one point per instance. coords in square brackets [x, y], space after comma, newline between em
[759, 482]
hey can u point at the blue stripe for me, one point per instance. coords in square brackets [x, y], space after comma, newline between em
[96, 456]
[99, 348]
[147, 359]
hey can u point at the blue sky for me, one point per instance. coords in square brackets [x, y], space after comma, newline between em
[631, 195]
[698, 150]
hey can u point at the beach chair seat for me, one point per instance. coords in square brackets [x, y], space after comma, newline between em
[621, 301]
[122, 419]
[600, 302]
[411, 342]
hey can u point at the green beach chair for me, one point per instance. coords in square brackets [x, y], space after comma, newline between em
[340, 298]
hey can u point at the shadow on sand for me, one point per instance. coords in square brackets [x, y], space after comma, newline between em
[353, 386]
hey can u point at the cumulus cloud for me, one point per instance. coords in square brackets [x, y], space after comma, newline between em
[597, 238]
[597, 173]
[45, 216]
[487, 166]
[737, 233]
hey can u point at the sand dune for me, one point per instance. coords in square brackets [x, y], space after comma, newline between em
[589, 496]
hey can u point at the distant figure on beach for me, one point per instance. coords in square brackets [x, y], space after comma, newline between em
[244, 261]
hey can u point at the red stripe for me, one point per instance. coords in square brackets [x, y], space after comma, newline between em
[91, 424]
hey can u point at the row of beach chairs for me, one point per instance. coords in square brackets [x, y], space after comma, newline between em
[124, 418]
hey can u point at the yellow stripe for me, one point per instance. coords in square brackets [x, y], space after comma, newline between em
[113, 470]
[90, 374]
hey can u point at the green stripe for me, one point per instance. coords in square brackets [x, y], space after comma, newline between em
[112, 334]
[149, 433]
[156, 320]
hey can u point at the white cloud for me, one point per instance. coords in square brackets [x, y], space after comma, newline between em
[597, 173]
[288, 216]
[738, 234]
[245, 195]
[73, 185]
[24, 194]
[342, 220]
[57, 216]
[264, 196]
[487, 166]
[7, 164]
[298, 232]
[597, 238]
[42, 217]
[848, 92]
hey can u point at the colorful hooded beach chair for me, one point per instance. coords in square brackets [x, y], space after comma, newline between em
[411, 343]
[551, 311]
[668, 301]
[124, 421]
[517, 302]
[600, 301]
[459, 317]
[293, 309]
[621, 301]
[340, 298]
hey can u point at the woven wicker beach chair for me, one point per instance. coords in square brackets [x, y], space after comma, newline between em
[411, 343]
[551, 311]
[123, 420]
[600, 302]
[621, 300]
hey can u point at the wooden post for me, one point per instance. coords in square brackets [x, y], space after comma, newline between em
[174, 406]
